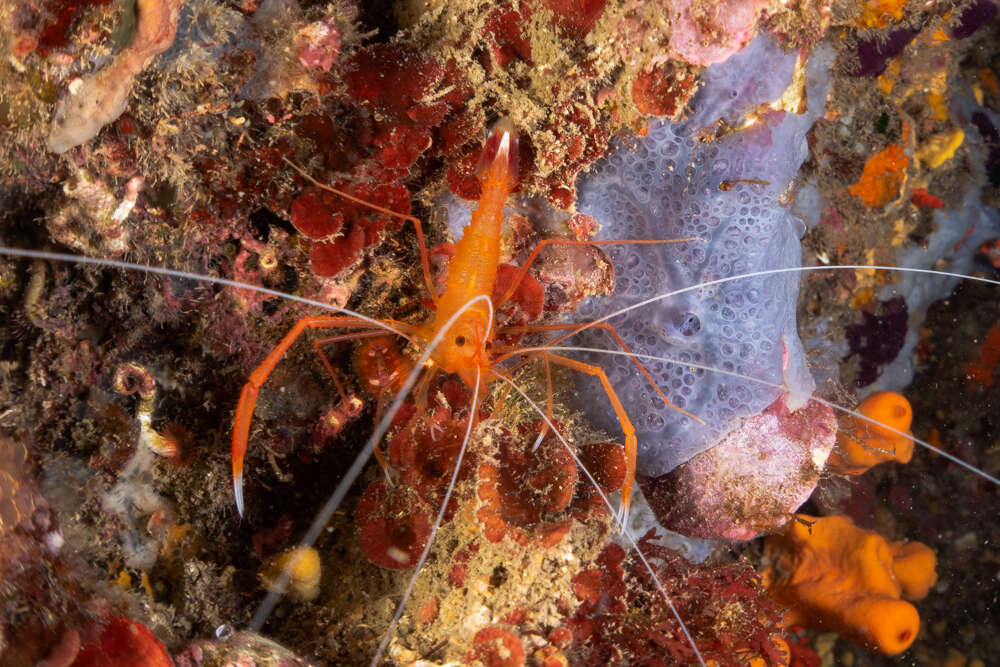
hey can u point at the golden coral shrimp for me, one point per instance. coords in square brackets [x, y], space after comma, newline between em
[460, 336]
[458, 339]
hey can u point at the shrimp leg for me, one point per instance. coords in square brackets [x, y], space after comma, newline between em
[534, 328]
[248, 396]
[631, 444]
[320, 343]
[546, 242]
[352, 405]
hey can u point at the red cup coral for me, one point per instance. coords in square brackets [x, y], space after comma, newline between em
[426, 452]
[526, 494]
[605, 461]
[341, 228]
[395, 524]
[534, 484]
[523, 307]
[380, 365]
[497, 647]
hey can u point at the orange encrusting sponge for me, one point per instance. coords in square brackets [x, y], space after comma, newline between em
[831, 574]
[862, 444]
[882, 177]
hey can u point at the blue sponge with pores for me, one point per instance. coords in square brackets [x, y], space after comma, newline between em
[672, 184]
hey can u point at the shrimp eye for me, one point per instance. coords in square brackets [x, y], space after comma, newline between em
[460, 341]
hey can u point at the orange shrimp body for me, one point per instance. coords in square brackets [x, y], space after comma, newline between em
[466, 347]
[463, 350]
[473, 270]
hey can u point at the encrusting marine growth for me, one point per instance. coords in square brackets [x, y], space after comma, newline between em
[828, 573]
[168, 142]
[862, 444]
[100, 98]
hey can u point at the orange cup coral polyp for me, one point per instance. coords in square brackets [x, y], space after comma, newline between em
[862, 444]
[395, 524]
[831, 574]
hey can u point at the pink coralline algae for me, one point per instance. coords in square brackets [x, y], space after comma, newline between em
[707, 32]
[318, 44]
[753, 480]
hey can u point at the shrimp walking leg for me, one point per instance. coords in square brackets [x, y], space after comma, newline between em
[248, 396]
[631, 448]
[346, 400]
[547, 242]
[577, 326]
[320, 343]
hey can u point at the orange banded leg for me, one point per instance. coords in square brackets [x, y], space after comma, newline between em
[535, 328]
[248, 396]
[631, 444]
[353, 405]
[320, 343]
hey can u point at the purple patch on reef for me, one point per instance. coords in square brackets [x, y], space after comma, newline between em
[875, 54]
[974, 17]
[877, 339]
[991, 139]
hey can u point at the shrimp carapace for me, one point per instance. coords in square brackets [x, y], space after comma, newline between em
[473, 270]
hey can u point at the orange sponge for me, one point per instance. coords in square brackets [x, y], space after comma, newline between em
[831, 574]
[914, 564]
[862, 444]
[883, 177]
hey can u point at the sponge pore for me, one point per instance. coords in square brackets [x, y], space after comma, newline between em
[671, 184]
